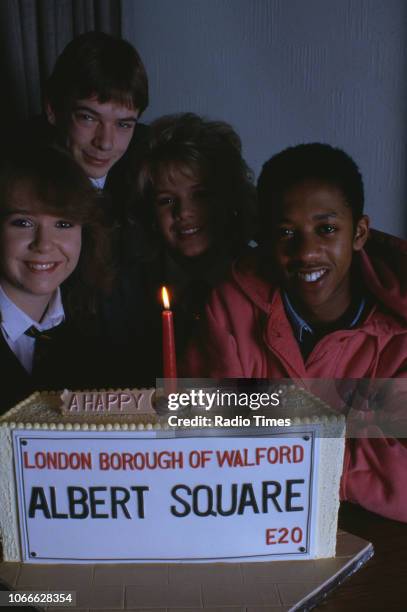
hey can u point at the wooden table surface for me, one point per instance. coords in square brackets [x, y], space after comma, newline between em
[381, 585]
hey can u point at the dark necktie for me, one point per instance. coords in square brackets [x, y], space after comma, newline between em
[44, 341]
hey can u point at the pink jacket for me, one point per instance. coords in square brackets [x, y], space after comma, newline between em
[248, 335]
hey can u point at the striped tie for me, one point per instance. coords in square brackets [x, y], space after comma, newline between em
[43, 342]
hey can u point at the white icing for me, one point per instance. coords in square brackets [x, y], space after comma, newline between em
[330, 470]
[8, 496]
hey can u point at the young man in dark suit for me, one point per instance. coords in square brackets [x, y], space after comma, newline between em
[93, 100]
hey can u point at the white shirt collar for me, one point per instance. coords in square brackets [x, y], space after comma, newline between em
[15, 322]
[99, 183]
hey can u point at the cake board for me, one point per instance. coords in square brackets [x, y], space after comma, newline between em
[277, 586]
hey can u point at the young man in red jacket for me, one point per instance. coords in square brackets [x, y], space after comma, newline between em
[320, 299]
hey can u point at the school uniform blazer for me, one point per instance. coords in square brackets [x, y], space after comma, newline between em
[73, 361]
[16, 383]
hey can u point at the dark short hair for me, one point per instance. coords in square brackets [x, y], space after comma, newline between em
[60, 188]
[97, 64]
[211, 149]
[313, 161]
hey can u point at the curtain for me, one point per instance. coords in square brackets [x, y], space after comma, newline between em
[32, 34]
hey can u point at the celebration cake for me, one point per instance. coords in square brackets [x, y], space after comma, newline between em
[92, 476]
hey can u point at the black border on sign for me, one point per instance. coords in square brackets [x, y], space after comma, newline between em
[23, 526]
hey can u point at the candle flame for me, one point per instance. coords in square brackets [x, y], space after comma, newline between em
[165, 298]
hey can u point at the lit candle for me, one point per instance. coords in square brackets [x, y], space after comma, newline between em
[169, 354]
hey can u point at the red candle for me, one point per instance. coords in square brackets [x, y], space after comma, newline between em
[169, 354]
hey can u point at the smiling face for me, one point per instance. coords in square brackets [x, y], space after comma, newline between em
[313, 243]
[98, 134]
[38, 251]
[182, 207]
